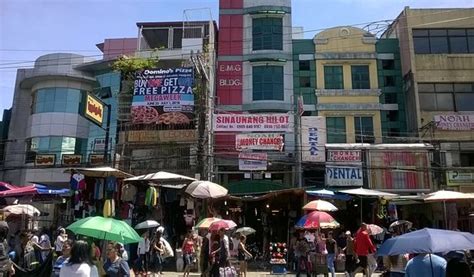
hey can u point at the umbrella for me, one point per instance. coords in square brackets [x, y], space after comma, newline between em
[105, 229]
[374, 229]
[22, 209]
[206, 222]
[446, 195]
[361, 192]
[147, 224]
[317, 219]
[223, 223]
[205, 189]
[100, 172]
[245, 231]
[427, 241]
[320, 205]
[329, 194]
[397, 223]
[161, 176]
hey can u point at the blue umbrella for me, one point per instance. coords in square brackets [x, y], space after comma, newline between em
[301, 222]
[427, 241]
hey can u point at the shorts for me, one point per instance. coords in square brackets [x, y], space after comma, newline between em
[188, 259]
[363, 262]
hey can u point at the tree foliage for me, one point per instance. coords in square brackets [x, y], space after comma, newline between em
[127, 66]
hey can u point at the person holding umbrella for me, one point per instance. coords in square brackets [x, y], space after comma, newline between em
[426, 265]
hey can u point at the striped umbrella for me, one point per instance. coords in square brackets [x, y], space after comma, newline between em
[206, 222]
[320, 205]
[318, 219]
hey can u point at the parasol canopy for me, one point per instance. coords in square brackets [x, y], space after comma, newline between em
[160, 176]
[222, 224]
[205, 190]
[320, 205]
[369, 193]
[147, 224]
[317, 219]
[206, 222]
[245, 231]
[374, 229]
[100, 172]
[22, 209]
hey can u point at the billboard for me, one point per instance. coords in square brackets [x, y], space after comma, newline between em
[259, 141]
[163, 96]
[160, 136]
[276, 122]
[344, 156]
[45, 160]
[253, 161]
[313, 138]
[454, 122]
[71, 159]
[94, 109]
[344, 176]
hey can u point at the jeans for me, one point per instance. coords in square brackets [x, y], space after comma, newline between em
[330, 261]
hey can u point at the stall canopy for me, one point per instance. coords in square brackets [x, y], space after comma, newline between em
[7, 190]
[361, 192]
[46, 190]
[328, 194]
[447, 196]
[100, 172]
[161, 177]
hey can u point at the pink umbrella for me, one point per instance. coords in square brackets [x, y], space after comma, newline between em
[374, 229]
[318, 219]
[320, 205]
[223, 223]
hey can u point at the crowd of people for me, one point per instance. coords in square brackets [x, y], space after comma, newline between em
[318, 252]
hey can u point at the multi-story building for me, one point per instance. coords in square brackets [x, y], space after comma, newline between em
[254, 117]
[437, 58]
[4, 126]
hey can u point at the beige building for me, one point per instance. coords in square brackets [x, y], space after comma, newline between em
[437, 55]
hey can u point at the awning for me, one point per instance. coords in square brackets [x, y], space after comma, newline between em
[361, 192]
[328, 194]
[250, 187]
[161, 177]
[7, 190]
[100, 172]
[46, 190]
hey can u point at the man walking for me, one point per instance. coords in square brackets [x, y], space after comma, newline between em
[363, 246]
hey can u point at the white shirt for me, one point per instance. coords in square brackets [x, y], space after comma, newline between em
[59, 243]
[78, 270]
[35, 239]
[143, 247]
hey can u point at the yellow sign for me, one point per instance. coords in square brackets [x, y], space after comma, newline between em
[45, 160]
[162, 136]
[94, 109]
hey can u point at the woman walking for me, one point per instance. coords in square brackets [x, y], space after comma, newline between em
[188, 252]
[157, 252]
[64, 258]
[80, 263]
[331, 247]
[242, 255]
[115, 266]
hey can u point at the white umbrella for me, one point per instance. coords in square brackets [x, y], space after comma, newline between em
[100, 172]
[245, 231]
[446, 195]
[401, 223]
[160, 176]
[206, 189]
[22, 209]
[320, 205]
[147, 224]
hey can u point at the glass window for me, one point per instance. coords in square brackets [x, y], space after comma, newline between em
[443, 41]
[360, 77]
[177, 38]
[55, 145]
[470, 41]
[304, 65]
[438, 32]
[391, 98]
[333, 77]
[445, 102]
[439, 45]
[458, 44]
[465, 101]
[364, 128]
[426, 87]
[428, 101]
[388, 64]
[389, 81]
[336, 129]
[267, 33]
[57, 100]
[305, 82]
[421, 45]
[444, 87]
[267, 83]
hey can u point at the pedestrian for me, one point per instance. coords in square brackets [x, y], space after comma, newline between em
[458, 268]
[60, 239]
[223, 250]
[214, 255]
[188, 252]
[158, 249]
[6, 265]
[115, 266]
[242, 255]
[45, 244]
[331, 247]
[350, 254]
[205, 250]
[301, 255]
[80, 263]
[363, 246]
[143, 250]
[428, 265]
[64, 258]
[34, 236]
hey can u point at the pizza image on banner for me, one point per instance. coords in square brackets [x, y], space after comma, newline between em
[163, 96]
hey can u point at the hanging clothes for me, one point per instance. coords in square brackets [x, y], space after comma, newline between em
[78, 182]
[151, 197]
[109, 208]
[111, 183]
[99, 189]
[129, 192]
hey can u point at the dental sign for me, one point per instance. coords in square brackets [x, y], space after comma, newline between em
[313, 138]
[344, 176]
[259, 141]
[94, 109]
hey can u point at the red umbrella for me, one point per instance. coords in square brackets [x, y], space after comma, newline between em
[226, 224]
[318, 219]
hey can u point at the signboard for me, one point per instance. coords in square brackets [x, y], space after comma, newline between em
[163, 96]
[45, 160]
[456, 178]
[259, 141]
[96, 159]
[277, 122]
[253, 161]
[399, 169]
[94, 109]
[229, 75]
[313, 138]
[70, 159]
[344, 156]
[300, 105]
[455, 122]
[344, 176]
[99, 144]
[162, 136]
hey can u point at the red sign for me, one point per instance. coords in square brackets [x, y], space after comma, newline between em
[229, 75]
[253, 156]
[278, 122]
[259, 141]
[344, 156]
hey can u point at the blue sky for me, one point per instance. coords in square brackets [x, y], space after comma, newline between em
[31, 28]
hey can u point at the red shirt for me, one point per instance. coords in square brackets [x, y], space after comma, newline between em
[363, 244]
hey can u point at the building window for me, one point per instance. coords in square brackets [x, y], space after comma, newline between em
[333, 77]
[267, 33]
[304, 65]
[467, 158]
[443, 41]
[389, 81]
[364, 128]
[391, 98]
[392, 115]
[267, 83]
[65, 100]
[360, 77]
[55, 145]
[305, 82]
[446, 96]
[388, 64]
[336, 129]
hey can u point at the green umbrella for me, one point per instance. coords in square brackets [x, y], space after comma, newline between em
[105, 229]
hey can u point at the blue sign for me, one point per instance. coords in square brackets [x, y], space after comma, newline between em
[344, 176]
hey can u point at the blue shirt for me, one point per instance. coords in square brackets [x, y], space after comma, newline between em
[58, 264]
[422, 265]
[117, 268]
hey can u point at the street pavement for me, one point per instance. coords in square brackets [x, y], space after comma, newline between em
[259, 274]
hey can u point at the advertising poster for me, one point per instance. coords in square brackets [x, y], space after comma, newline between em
[313, 138]
[278, 122]
[71, 159]
[45, 160]
[163, 96]
[259, 141]
[454, 122]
